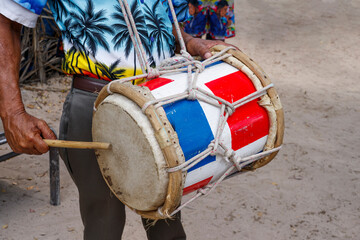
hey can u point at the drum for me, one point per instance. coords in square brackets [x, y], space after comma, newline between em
[168, 141]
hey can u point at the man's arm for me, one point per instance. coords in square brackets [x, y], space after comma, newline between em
[197, 46]
[23, 132]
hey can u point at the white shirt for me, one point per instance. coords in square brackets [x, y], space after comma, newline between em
[18, 13]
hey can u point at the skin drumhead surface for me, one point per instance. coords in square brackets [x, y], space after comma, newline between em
[134, 168]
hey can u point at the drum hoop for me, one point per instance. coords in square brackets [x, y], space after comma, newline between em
[276, 132]
[168, 142]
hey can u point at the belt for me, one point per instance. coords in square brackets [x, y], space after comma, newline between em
[88, 84]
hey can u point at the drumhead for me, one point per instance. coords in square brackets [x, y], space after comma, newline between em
[135, 168]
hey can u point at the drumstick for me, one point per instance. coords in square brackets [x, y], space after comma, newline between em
[75, 144]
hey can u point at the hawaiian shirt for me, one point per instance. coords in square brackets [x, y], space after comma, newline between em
[96, 39]
[213, 17]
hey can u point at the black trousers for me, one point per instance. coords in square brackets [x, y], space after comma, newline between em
[103, 215]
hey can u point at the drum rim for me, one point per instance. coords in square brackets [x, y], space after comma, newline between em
[167, 139]
[111, 163]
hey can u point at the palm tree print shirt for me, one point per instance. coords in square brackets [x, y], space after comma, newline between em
[96, 38]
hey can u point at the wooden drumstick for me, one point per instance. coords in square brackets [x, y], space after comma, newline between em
[75, 144]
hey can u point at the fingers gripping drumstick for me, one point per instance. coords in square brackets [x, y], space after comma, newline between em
[74, 144]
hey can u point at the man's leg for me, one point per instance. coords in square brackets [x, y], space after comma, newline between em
[102, 213]
[165, 229]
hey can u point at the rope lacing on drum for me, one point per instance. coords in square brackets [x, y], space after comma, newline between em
[185, 62]
[239, 163]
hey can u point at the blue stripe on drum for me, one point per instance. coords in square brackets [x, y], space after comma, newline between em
[214, 64]
[208, 66]
[189, 121]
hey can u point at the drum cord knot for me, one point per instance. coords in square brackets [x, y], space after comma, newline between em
[230, 109]
[199, 66]
[229, 154]
[153, 73]
[212, 146]
[204, 191]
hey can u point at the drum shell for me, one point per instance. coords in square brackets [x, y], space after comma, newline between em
[196, 121]
[272, 114]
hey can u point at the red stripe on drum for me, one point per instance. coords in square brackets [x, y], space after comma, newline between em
[249, 122]
[156, 83]
[196, 186]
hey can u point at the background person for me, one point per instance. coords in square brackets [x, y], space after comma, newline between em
[196, 24]
[214, 18]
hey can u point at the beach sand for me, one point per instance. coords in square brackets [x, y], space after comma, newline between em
[311, 52]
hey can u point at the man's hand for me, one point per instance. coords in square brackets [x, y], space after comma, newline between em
[201, 47]
[24, 133]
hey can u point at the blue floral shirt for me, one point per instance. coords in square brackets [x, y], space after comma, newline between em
[35, 6]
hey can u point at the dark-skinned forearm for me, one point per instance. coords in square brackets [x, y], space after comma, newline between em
[197, 46]
[184, 35]
[10, 52]
[23, 132]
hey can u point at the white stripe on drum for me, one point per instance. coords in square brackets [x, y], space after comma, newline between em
[180, 83]
[219, 167]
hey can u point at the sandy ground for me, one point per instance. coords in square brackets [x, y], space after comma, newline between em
[311, 190]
